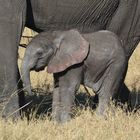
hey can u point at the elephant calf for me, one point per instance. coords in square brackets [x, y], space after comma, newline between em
[96, 60]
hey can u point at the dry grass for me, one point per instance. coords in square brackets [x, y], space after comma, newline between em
[86, 125]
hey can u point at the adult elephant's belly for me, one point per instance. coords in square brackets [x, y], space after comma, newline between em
[66, 14]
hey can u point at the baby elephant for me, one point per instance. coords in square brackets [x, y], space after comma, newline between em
[96, 60]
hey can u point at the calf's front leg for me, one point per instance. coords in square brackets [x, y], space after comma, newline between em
[69, 83]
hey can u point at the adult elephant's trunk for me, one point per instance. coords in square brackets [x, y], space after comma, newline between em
[25, 71]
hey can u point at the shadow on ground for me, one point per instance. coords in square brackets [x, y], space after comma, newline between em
[41, 102]
[134, 99]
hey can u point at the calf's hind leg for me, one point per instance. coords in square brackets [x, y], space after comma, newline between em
[112, 80]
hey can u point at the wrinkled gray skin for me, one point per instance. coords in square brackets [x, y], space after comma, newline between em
[100, 66]
[12, 21]
[85, 15]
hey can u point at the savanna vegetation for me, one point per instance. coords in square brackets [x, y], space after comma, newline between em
[85, 125]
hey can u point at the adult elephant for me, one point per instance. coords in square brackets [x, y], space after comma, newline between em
[85, 15]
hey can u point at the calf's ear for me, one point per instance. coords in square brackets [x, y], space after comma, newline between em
[72, 49]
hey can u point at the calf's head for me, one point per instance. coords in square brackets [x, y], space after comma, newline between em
[57, 50]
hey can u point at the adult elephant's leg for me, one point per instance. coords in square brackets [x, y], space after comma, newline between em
[11, 25]
[126, 28]
[123, 96]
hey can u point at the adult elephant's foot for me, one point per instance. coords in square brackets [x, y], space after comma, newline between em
[122, 97]
[124, 94]
[11, 108]
[12, 100]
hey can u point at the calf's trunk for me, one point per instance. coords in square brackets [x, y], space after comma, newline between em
[25, 71]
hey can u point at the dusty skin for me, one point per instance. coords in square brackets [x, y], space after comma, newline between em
[85, 126]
